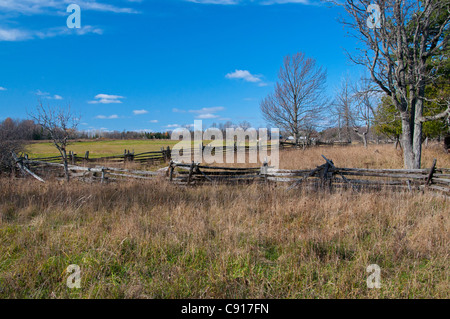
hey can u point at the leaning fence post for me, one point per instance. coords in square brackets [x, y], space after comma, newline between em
[103, 175]
[265, 170]
[430, 175]
[171, 169]
[191, 171]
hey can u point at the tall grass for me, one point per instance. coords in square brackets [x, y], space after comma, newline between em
[155, 240]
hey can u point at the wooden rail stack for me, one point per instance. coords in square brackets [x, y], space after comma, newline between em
[147, 157]
[325, 177]
[194, 173]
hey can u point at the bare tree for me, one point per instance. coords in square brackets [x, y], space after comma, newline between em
[299, 96]
[344, 108]
[60, 124]
[397, 55]
[11, 140]
[366, 97]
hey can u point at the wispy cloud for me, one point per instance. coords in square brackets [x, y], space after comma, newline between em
[2, 88]
[175, 110]
[140, 112]
[215, 1]
[47, 95]
[110, 117]
[58, 6]
[153, 121]
[18, 8]
[145, 130]
[106, 99]
[207, 112]
[12, 35]
[257, 2]
[246, 76]
[207, 116]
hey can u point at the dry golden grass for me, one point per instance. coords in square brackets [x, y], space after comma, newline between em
[375, 156]
[156, 240]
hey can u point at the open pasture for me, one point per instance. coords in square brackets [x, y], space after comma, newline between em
[153, 239]
[382, 156]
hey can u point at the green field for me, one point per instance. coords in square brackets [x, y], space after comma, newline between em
[99, 148]
[102, 148]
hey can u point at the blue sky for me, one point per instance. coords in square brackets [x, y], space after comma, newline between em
[158, 64]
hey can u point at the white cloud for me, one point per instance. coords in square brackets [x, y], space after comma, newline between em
[97, 6]
[215, 1]
[244, 75]
[207, 116]
[58, 6]
[106, 99]
[207, 112]
[145, 130]
[175, 110]
[2, 88]
[12, 35]
[104, 117]
[40, 93]
[153, 121]
[53, 8]
[173, 125]
[140, 112]
[260, 2]
[48, 96]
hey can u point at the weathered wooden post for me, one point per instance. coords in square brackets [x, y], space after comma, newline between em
[103, 175]
[191, 171]
[171, 169]
[86, 156]
[265, 170]
[169, 155]
[430, 175]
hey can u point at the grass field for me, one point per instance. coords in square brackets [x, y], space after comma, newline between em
[376, 156]
[99, 148]
[153, 239]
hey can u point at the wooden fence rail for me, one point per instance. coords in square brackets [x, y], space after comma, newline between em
[326, 176]
[127, 156]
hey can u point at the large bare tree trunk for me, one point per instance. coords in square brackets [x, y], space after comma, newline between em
[410, 150]
[397, 54]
